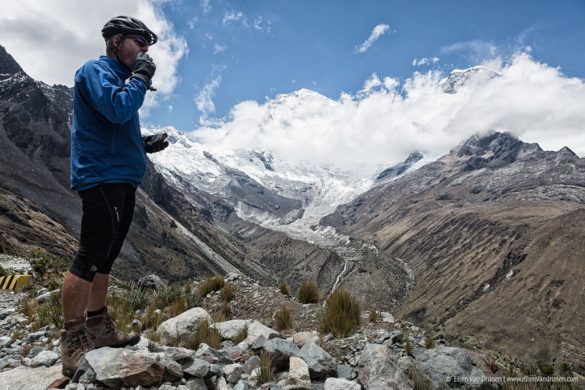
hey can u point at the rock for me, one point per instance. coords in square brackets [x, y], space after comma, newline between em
[387, 317]
[174, 370]
[184, 324]
[257, 329]
[232, 276]
[345, 371]
[230, 329]
[44, 358]
[5, 341]
[43, 297]
[302, 338]
[395, 336]
[197, 368]
[196, 384]
[211, 355]
[280, 351]
[122, 367]
[222, 384]
[178, 354]
[377, 369]
[30, 378]
[151, 281]
[298, 374]
[241, 385]
[442, 362]
[321, 364]
[252, 363]
[341, 384]
[233, 372]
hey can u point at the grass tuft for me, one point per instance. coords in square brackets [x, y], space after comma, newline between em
[214, 283]
[429, 342]
[242, 335]
[342, 314]
[284, 288]
[374, 315]
[267, 371]
[308, 292]
[283, 318]
[227, 292]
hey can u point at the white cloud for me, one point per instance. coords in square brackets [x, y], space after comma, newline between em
[51, 40]
[233, 16]
[217, 48]
[193, 22]
[377, 32]
[204, 98]
[385, 121]
[237, 17]
[476, 50]
[206, 6]
[425, 61]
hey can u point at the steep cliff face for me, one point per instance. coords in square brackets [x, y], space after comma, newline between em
[493, 232]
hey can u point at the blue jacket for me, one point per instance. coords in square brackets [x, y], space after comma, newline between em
[106, 145]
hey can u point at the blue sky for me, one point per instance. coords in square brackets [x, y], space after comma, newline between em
[258, 49]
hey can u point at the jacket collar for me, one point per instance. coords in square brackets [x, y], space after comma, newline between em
[119, 69]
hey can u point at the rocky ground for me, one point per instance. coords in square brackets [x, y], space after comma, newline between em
[385, 354]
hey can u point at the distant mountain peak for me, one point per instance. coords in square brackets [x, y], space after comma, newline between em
[8, 65]
[459, 77]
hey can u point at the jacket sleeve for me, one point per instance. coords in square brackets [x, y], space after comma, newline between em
[118, 104]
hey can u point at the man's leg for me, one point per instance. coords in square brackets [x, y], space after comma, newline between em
[99, 290]
[74, 296]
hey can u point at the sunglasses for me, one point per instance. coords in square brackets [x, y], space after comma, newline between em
[141, 42]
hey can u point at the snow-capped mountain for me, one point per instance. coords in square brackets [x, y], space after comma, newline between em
[460, 77]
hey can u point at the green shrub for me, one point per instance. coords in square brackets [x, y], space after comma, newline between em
[308, 293]
[193, 300]
[211, 284]
[545, 368]
[137, 298]
[284, 288]
[51, 312]
[167, 295]
[342, 314]
[283, 319]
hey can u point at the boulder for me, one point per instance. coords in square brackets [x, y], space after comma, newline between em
[30, 378]
[44, 358]
[233, 372]
[197, 368]
[377, 369]
[321, 364]
[256, 330]
[341, 384]
[184, 324]
[280, 351]
[230, 329]
[151, 281]
[441, 363]
[298, 374]
[302, 338]
[122, 367]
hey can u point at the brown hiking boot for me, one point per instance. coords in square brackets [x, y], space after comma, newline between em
[103, 332]
[75, 343]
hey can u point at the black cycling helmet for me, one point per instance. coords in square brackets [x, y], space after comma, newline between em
[127, 25]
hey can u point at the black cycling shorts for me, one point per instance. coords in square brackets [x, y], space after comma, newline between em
[107, 214]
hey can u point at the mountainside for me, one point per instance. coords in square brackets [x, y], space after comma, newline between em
[494, 234]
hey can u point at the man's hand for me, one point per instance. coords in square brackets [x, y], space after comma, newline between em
[155, 143]
[144, 68]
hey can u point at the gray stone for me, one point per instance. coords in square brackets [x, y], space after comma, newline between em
[252, 363]
[232, 276]
[174, 370]
[377, 369]
[230, 329]
[257, 329]
[395, 336]
[178, 354]
[341, 384]
[387, 317]
[35, 351]
[442, 362]
[197, 368]
[241, 385]
[233, 372]
[222, 384]
[205, 352]
[122, 367]
[280, 351]
[184, 324]
[5, 341]
[321, 364]
[196, 384]
[29, 378]
[44, 358]
[345, 371]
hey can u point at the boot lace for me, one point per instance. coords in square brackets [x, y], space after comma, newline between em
[79, 344]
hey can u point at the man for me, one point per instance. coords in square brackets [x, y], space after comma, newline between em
[108, 160]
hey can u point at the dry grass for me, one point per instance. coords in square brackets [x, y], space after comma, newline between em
[227, 292]
[429, 342]
[342, 314]
[308, 292]
[204, 334]
[284, 288]
[267, 371]
[242, 335]
[50, 312]
[214, 283]
[283, 318]
[408, 347]
[374, 315]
